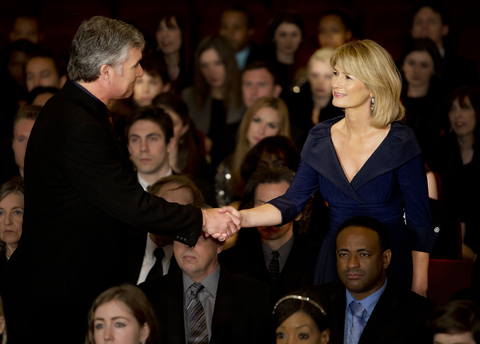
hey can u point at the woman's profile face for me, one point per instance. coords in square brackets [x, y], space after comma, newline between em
[320, 78]
[301, 328]
[287, 38]
[332, 32]
[114, 323]
[11, 218]
[418, 67]
[462, 118]
[265, 123]
[179, 128]
[212, 68]
[169, 36]
[349, 92]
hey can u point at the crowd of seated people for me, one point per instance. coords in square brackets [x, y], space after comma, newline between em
[226, 126]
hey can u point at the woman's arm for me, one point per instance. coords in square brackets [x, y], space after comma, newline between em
[420, 272]
[264, 215]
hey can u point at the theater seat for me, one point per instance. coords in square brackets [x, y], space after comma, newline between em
[446, 277]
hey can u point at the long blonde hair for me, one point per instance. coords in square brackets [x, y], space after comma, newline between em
[374, 66]
[243, 146]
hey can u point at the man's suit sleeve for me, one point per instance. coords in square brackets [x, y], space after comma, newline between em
[94, 166]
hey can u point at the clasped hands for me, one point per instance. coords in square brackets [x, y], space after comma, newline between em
[221, 223]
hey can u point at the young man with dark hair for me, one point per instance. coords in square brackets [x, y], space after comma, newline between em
[277, 256]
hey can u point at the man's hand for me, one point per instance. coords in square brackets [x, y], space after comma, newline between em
[220, 223]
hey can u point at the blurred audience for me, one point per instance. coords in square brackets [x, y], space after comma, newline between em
[285, 33]
[26, 27]
[214, 101]
[22, 127]
[456, 322]
[454, 159]
[313, 103]
[421, 91]
[42, 69]
[236, 25]
[154, 81]
[11, 219]
[334, 29]
[431, 20]
[259, 80]
[188, 153]
[266, 117]
[171, 40]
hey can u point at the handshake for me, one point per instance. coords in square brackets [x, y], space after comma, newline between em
[221, 223]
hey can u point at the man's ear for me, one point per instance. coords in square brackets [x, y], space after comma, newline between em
[387, 256]
[106, 72]
[277, 89]
[171, 144]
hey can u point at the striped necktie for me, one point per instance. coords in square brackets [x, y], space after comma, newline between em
[196, 323]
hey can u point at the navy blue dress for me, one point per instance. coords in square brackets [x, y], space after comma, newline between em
[391, 186]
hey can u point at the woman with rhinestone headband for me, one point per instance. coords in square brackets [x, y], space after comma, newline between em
[302, 317]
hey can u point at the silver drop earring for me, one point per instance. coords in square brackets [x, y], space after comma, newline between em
[372, 103]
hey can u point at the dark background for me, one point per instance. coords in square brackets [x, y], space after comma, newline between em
[386, 22]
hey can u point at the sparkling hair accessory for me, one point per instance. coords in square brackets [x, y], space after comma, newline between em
[301, 298]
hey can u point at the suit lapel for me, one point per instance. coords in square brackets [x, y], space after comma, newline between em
[338, 324]
[136, 258]
[222, 314]
[381, 316]
[176, 327]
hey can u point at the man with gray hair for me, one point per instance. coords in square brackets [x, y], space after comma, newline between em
[83, 195]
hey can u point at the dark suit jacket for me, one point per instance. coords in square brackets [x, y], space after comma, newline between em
[81, 197]
[247, 258]
[242, 312]
[400, 316]
[135, 258]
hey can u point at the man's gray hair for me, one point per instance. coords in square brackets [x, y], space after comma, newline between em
[101, 41]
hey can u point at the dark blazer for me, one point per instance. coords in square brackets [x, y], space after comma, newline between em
[247, 258]
[135, 259]
[242, 312]
[400, 316]
[81, 197]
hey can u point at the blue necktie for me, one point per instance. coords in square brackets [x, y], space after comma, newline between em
[354, 333]
[196, 322]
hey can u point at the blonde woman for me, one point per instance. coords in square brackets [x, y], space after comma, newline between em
[366, 162]
[266, 117]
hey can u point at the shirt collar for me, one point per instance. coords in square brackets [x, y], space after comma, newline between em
[241, 57]
[370, 301]
[86, 91]
[283, 251]
[210, 282]
[144, 183]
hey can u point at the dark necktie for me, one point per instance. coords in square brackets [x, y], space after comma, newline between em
[157, 268]
[274, 268]
[196, 323]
